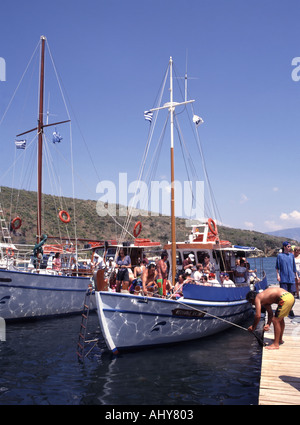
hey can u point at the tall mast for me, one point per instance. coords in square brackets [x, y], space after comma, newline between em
[173, 225]
[171, 107]
[40, 142]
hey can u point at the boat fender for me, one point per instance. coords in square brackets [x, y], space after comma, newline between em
[10, 252]
[64, 216]
[16, 223]
[212, 226]
[137, 229]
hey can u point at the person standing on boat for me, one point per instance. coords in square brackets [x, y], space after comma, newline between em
[162, 273]
[241, 272]
[122, 265]
[56, 263]
[286, 269]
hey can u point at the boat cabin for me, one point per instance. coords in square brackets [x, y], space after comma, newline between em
[204, 241]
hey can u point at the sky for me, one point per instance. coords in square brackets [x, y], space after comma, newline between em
[111, 57]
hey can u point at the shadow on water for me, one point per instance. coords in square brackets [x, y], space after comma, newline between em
[39, 365]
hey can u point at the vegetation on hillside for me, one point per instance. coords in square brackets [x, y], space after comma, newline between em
[90, 225]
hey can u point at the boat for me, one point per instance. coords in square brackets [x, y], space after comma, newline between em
[29, 287]
[130, 322]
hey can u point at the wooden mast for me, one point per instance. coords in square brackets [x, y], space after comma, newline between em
[171, 107]
[40, 129]
[40, 143]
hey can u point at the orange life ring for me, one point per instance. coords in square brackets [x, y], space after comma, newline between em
[10, 252]
[64, 216]
[212, 226]
[138, 225]
[16, 223]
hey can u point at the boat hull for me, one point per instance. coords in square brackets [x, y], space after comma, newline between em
[131, 322]
[26, 295]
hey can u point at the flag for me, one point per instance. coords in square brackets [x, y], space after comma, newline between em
[20, 144]
[148, 115]
[56, 137]
[197, 120]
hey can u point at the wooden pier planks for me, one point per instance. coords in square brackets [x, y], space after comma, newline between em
[280, 369]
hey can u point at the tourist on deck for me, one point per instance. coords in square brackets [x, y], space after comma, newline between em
[198, 273]
[188, 263]
[226, 281]
[204, 281]
[97, 261]
[272, 295]
[212, 280]
[162, 273]
[251, 274]
[56, 263]
[241, 273]
[207, 265]
[123, 263]
[149, 279]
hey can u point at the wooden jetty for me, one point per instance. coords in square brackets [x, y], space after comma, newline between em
[280, 369]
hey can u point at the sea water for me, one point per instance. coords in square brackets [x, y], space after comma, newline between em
[39, 366]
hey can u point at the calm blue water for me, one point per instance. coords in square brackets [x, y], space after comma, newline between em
[38, 365]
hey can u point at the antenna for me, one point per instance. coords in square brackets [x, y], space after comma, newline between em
[186, 78]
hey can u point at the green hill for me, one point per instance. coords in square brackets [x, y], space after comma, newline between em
[90, 225]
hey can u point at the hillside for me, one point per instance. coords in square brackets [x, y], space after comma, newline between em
[292, 233]
[91, 226]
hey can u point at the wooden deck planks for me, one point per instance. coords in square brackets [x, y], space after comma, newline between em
[280, 369]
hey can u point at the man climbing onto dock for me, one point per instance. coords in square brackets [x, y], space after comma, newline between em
[272, 295]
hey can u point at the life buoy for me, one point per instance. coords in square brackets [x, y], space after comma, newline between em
[212, 226]
[16, 223]
[138, 225]
[10, 252]
[64, 216]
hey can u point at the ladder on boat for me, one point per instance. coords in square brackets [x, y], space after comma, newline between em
[4, 229]
[82, 341]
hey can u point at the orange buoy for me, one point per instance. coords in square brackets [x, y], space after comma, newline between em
[212, 226]
[137, 229]
[16, 223]
[64, 216]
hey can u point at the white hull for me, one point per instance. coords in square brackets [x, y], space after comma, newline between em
[129, 321]
[28, 295]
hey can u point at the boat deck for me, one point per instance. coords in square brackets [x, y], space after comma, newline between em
[280, 369]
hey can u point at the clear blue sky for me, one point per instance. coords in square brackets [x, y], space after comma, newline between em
[111, 56]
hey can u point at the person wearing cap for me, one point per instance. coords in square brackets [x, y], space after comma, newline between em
[212, 280]
[188, 263]
[286, 269]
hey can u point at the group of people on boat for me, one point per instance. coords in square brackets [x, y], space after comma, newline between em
[151, 278]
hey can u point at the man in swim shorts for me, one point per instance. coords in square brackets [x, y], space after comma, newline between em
[272, 295]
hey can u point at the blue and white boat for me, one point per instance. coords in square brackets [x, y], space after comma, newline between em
[132, 322]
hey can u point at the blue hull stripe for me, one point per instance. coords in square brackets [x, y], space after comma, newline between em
[175, 316]
[42, 289]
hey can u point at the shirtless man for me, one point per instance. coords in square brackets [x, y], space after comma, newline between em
[149, 279]
[272, 295]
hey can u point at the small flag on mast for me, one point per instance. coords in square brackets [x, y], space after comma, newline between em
[148, 115]
[20, 144]
[197, 120]
[56, 137]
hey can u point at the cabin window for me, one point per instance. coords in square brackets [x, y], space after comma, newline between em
[201, 255]
[178, 258]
